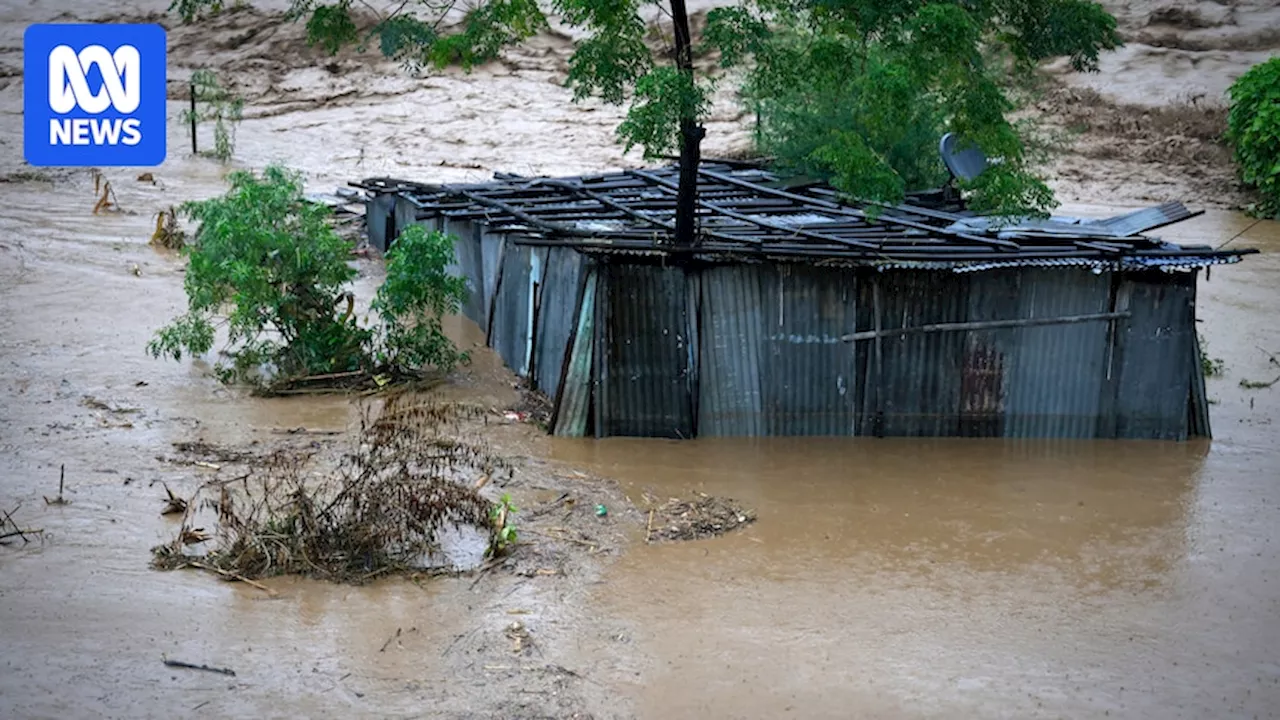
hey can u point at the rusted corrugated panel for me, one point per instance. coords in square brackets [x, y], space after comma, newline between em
[467, 265]
[1057, 377]
[1155, 355]
[512, 307]
[575, 396]
[379, 218]
[988, 353]
[730, 344]
[921, 377]
[556, 316]
[808, 373]
[646, 353]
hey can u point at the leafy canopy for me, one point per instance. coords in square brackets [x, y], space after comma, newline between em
[1253, 128]
[861, 91]
[267, 265]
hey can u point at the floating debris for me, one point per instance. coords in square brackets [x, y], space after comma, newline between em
[702, 517]
[384, 508]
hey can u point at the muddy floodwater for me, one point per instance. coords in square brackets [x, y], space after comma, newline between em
[893, 578]
[957, 578]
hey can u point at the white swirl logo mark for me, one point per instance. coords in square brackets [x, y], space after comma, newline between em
[69, 85]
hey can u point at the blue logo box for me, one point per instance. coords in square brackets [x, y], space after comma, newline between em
[94, 95]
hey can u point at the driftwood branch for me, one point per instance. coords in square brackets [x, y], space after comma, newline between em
[206, 668]
[16, 531]
[983, 325]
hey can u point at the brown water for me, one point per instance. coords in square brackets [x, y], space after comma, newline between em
[885, 578]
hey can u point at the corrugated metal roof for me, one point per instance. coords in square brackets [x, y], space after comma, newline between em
[745, 212]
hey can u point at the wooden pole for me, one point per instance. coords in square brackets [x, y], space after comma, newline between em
[878, 420]
[194, 150]
[984, 325]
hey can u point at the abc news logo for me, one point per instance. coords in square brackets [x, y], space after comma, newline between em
[69, 89]
[94, 95]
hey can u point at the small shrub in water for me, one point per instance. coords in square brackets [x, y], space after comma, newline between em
[266, 263]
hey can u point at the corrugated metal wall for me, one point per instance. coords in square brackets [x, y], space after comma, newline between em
[645, 348]
[757, 349]
[732, 323]
[511, 306]
[987, 354]
[405, 213]
[808, 373]
[378, 211]
[921, 378]
[557, 315]
[468, 266]
[491, 250]
[532, 294]
[573, 402]
[771, 361]
[1057, 377]
[1155, 350]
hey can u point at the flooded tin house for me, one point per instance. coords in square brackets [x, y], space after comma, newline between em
[796, 313]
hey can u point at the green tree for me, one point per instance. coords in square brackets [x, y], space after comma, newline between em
[267, 265]
[1253, 128]
[861, 91]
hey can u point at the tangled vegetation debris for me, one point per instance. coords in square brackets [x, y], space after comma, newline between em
[380, 510]
[10, 529]
[702, 516]
[168, 233]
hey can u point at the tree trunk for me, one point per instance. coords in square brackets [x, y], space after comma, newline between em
[691, 134]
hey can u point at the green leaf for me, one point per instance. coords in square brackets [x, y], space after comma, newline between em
[663, 97]
[331, 26]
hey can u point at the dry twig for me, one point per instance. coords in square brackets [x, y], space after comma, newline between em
[60, 500]
[206, 668]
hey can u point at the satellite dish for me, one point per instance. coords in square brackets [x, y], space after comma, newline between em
[964, 162]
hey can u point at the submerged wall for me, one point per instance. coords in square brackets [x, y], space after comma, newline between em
[629, 346]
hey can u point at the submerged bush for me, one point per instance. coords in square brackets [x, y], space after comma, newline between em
[267, 265]
[1253, 128]
[409, 479]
